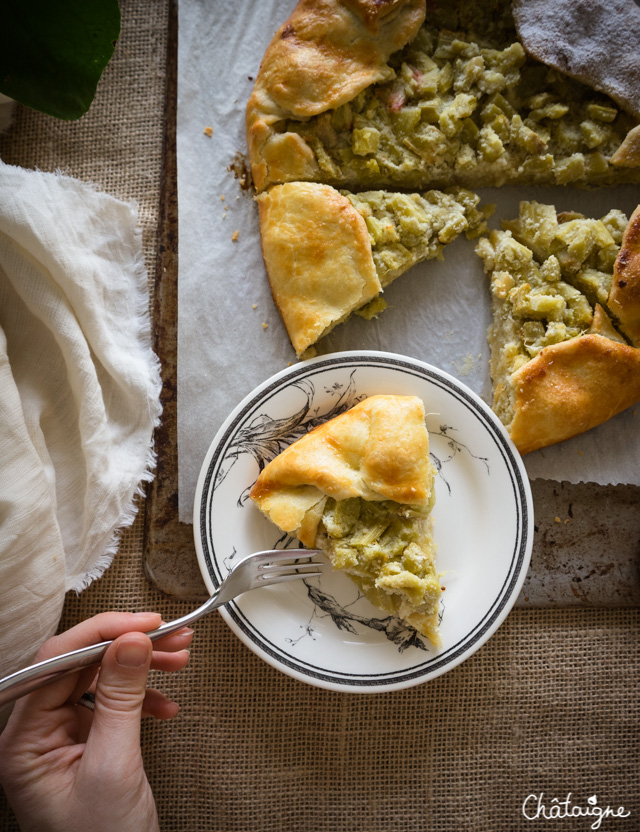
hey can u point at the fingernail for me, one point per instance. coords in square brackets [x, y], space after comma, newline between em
[132, 654]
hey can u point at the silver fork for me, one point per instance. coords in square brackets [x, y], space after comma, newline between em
[260, 569]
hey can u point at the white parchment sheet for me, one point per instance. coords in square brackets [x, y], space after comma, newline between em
[438, 312]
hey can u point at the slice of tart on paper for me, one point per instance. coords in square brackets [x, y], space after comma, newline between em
[565, 336]
[330, 253]
[361, 487]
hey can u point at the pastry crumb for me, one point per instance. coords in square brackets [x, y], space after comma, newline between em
[265, 325]
[234, 236]
[208, 131]
[558, 520]
[222, 197]
[254, 306]
[372, 309]
[466, 366]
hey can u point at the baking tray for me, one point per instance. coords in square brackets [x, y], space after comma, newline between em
[586, 549]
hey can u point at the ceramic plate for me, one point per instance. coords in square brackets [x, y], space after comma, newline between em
[321, 630]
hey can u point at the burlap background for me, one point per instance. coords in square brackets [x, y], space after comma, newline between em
[550, 704]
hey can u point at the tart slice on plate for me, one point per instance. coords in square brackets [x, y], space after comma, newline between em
[330, 253]
[361, 487]
[565, 336]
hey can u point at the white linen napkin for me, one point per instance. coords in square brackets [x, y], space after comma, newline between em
[79, 394]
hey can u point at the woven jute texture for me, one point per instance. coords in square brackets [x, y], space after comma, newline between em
[549, 706]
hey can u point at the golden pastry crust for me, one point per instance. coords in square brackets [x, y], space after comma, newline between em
[378, 450]
[628, 154]
[624, 298]
[321, 57]
[317, 253]
[571, 387]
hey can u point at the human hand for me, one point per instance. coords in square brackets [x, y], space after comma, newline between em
[65, 767]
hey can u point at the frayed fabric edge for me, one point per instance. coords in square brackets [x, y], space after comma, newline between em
[77, 583]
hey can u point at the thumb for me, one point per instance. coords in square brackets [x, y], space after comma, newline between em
[120, 692]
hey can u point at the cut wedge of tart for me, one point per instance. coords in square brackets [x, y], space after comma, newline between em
[361, 487]
[565, 336]
[330, 253]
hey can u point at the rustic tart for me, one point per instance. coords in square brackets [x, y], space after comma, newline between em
[361, 487]
[376, 95]
[565, 336]
[357, 93]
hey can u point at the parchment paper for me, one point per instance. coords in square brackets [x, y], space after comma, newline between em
[230, 337]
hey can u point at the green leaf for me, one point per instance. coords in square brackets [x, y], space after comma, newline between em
[53, 52]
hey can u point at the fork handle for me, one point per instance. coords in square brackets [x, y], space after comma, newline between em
[43, 673]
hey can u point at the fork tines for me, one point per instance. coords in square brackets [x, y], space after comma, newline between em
[283, 555]
[291, 565]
